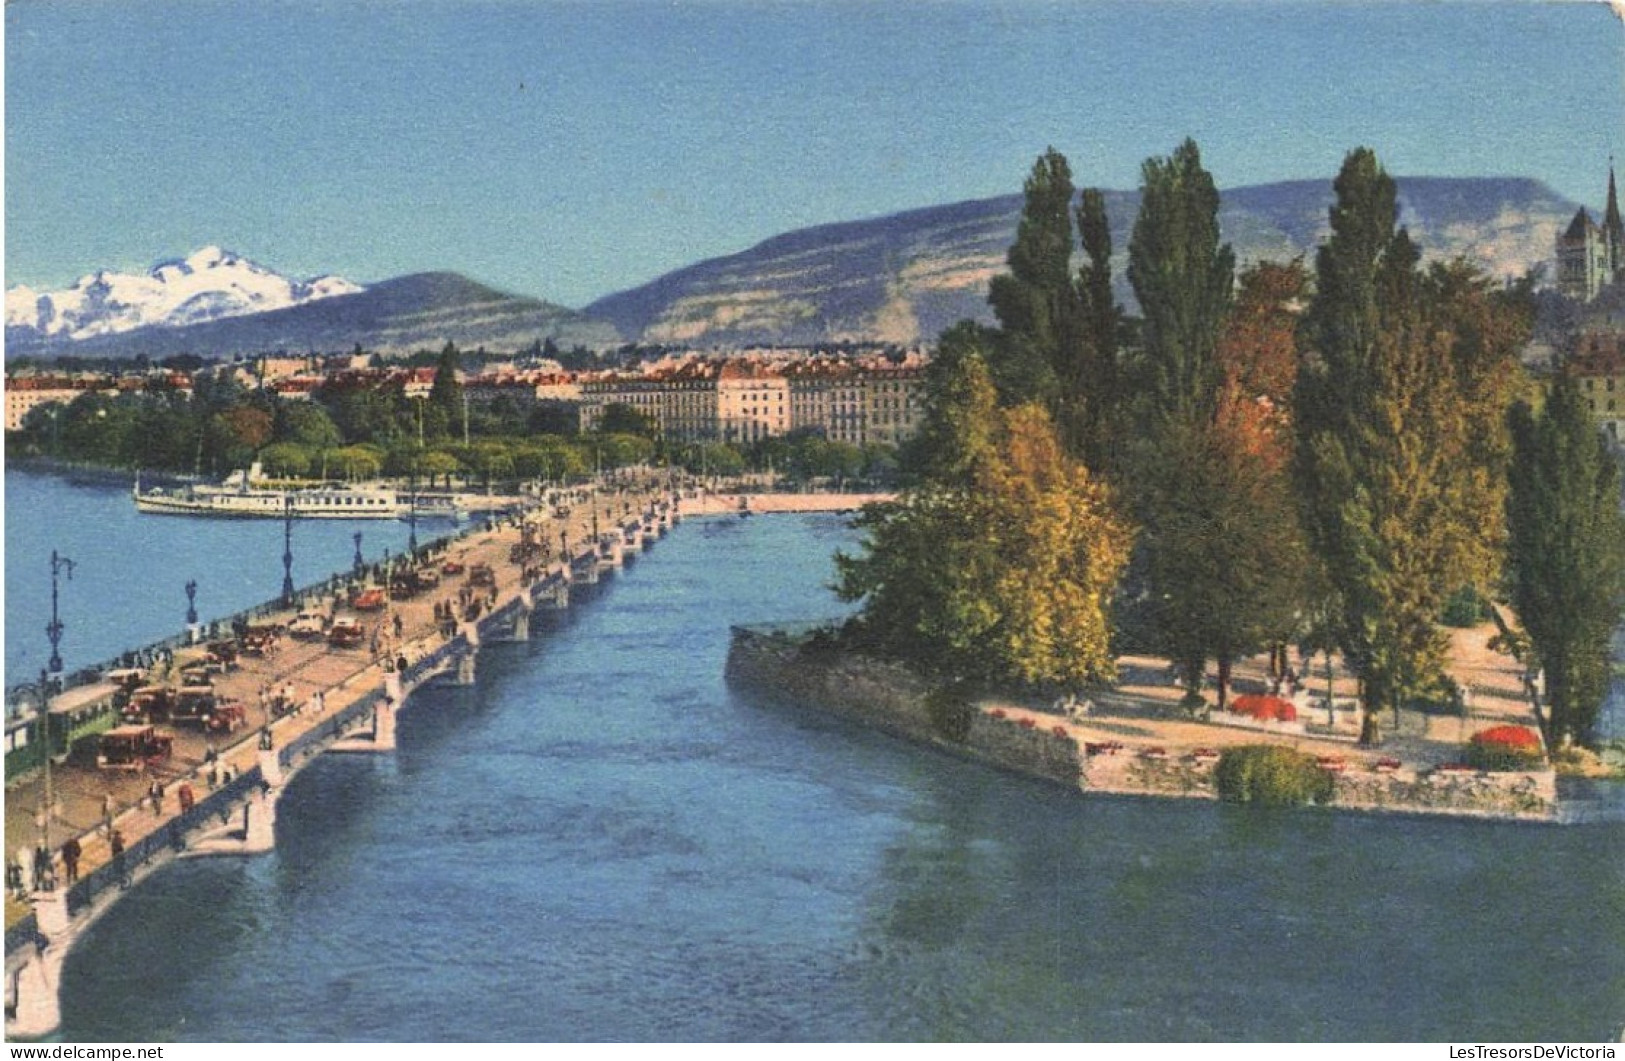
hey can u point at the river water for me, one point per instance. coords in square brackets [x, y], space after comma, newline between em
[600, 841]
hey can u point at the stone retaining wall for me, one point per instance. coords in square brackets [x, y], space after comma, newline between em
[787, 664]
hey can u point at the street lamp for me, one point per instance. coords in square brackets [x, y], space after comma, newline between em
[53, 629]
[359, 564]
[287, 550]
[412, 513]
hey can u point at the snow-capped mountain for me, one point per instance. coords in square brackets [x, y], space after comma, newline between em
[210, 284]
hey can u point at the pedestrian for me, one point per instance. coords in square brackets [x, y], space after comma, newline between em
[155, 792]
[116, 845]
[186, 797]
[42, 868]
[400, 664]
[107, 811]
[70, 859]
[399, 624]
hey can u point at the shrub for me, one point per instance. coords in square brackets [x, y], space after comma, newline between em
[1504, 748]
[1271, 775]
[950, 714]
[1465, 608]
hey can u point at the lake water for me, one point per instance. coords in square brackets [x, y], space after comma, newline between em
[600, 841]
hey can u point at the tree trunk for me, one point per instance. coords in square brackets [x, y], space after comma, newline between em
[1224, 682]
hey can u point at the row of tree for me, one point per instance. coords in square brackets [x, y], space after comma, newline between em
[360, 429]
[1325, 459]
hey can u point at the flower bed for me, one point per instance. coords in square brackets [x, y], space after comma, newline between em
[1264, 708]
[1505, 748]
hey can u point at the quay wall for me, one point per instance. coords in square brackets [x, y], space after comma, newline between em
[889, 697]
[894, 699]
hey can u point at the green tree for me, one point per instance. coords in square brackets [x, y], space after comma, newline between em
[1566, 553]
[439, 464]
[1007, 575]
[446, 393]
[957, 432]
[308, 424]
[1095, 387]
[1224, 551]
[1183, 279]
[286, 460]
[622, 419]
[1035, 302]
[1383, 462]
[356, 462]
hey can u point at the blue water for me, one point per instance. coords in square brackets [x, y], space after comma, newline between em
[600, 841]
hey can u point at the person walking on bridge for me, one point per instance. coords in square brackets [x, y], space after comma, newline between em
[120, 871]
[70, 860]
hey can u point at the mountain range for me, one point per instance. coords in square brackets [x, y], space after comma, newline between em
[900, 278]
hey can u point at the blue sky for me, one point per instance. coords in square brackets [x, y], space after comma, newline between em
[568, 150]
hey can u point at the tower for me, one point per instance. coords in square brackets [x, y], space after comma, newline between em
[1613, 230]
[1589, 255]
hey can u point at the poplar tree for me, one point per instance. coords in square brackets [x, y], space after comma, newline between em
[1384, 461]
[1035, 302]
[1097, 389]
[1183, 278]
[1566, 554]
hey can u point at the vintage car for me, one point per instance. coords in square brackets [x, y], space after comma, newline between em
[198, 705]
[260, 640]
[308, 626]
[482, 575]
[198, 672]
[369, 600]
[134, 747]
[149, 703]
[346, 633]
[451, 567]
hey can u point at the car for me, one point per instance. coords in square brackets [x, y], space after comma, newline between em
[369, 600]
[346, 633]
[133, 748]
[308, 626]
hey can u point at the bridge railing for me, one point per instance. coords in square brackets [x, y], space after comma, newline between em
[214, 809]
[22, 934]
[23, 692]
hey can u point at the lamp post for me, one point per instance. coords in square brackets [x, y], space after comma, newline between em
[47, 806]
[49, 678]
[53, 629]
[412, 513]
[358, 563]
[287, 551]
[191, 610]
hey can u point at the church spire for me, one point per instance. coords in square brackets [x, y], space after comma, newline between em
[1611, 223]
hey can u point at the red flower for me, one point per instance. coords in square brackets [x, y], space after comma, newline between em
[997, 712]
[1508, 737]
[1061, 732]
[1026, 723]
[1264, 708]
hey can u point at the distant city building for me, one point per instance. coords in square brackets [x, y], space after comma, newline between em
[25, 394]
[1591, 256]
[1598, 364]
[746, 399]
